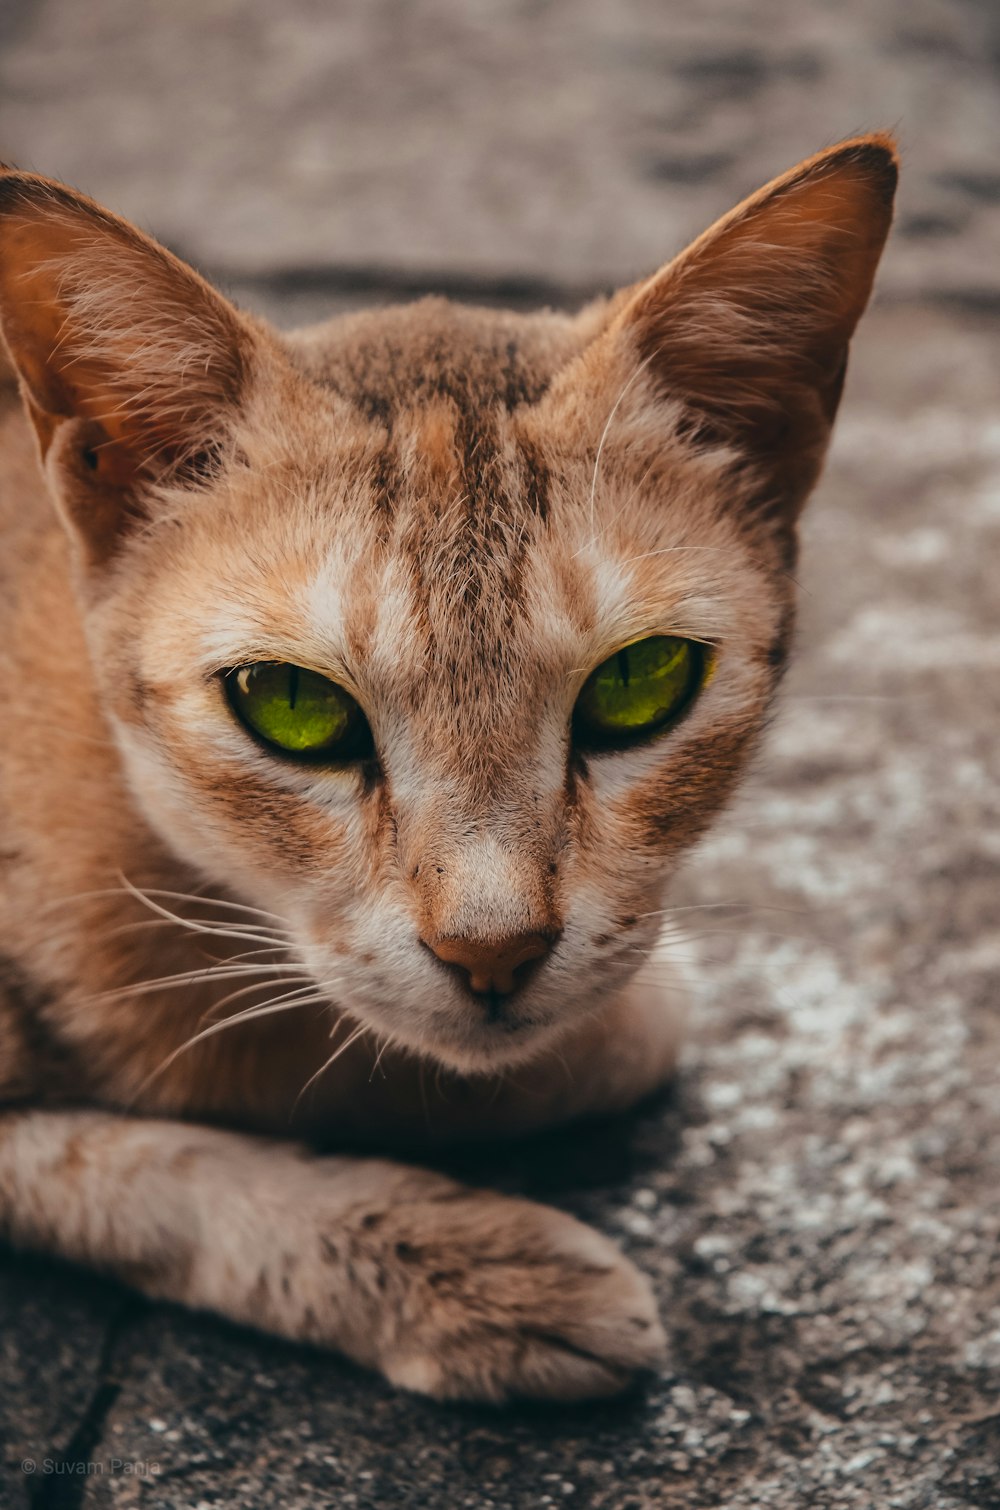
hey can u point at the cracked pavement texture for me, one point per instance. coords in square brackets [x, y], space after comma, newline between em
[818, 1199]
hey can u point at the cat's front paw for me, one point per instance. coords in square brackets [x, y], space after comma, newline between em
[500, 1299]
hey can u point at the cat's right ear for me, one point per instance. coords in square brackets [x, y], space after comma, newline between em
[131, 366]
[746, 333]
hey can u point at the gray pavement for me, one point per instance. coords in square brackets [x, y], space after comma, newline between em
[566, 142]
[818, 1201]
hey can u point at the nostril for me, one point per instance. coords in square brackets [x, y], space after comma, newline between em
[494, 966]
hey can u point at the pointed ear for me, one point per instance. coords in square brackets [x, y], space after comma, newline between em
[749, 328]
[131, 366]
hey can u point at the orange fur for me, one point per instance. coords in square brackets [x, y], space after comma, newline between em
[456, 514]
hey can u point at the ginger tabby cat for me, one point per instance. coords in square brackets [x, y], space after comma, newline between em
[363, 687]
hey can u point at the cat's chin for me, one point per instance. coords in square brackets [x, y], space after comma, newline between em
[488, 1051]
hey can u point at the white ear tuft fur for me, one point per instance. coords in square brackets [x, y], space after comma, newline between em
[113, 334]
[748, 329]
[104, 325]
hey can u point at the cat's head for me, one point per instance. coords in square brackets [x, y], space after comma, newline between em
[346, 591]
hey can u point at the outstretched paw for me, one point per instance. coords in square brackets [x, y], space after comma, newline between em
[501, 1299]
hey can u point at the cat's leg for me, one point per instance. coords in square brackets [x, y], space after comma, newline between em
[458, 1293]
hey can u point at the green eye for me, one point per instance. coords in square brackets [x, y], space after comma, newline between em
[638, 690]
[298, 711]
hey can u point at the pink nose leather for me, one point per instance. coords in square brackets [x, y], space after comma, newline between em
[490, 966]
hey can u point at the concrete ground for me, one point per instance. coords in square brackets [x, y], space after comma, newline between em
[819, 1198]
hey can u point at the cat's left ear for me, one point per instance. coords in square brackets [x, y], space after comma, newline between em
[131, 366]
[748, 329]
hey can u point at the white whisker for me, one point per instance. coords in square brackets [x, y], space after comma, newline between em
[184, 896]
[667, 912]
[268, 1009]
[196, 977]
[239, 930]
[234, 959]
[359, 1032]
[194, 896]
[604, 435]
[219, 930]
[674, 550]
[378, 1060]
[217, 1006]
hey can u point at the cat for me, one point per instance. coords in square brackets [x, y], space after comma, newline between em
[362, 688]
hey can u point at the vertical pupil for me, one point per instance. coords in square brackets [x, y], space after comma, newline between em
[623, 666]
[293, 685]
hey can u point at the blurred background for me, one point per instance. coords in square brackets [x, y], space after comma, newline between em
[818, 1199]
[497, 147]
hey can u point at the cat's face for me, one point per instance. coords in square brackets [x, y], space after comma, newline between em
[455, 517]
[465, 623]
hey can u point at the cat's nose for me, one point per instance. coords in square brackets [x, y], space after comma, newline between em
[490, 965]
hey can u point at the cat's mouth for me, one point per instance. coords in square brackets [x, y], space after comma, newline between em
[473, 1033]
[476, 1034]
[488, 1032]
[465, 1015]
[502, 1042]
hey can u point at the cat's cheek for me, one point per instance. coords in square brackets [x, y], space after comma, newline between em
[671, 805]
[232, 822]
